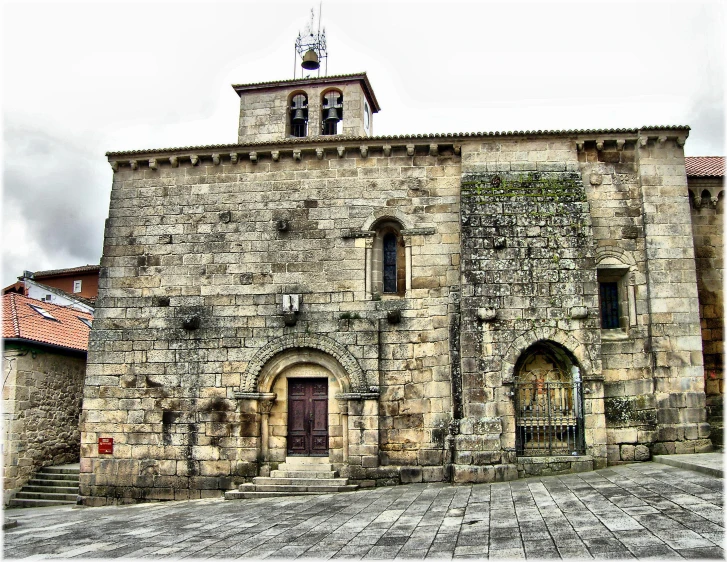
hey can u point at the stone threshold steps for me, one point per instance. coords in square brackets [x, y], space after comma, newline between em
[52, 485]
[297, 476]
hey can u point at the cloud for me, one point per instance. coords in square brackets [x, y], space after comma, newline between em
[55, 202]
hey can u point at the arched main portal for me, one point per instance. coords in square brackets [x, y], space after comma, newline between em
[305, 418]
[548, 402]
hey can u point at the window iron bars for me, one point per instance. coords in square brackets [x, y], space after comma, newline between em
[548, 418]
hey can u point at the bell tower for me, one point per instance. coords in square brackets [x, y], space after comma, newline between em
[307, 107]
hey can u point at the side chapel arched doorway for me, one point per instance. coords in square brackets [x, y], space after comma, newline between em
[548, 402]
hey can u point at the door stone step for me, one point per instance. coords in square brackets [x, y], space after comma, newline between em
[296, 476]
[51, 485]
[319, 474]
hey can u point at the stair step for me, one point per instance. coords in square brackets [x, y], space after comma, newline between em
[26, 495]
[42, 482]
[303, 488]
[59, 470]
[38, 503]
[268, 481]
[302, 467]
[52, 489]
[55, 476]
[235, 495]
[321, 474]
[307, 460]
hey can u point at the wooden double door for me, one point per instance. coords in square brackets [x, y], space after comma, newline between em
[308, 417]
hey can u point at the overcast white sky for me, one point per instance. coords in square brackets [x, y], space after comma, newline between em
[80, 79]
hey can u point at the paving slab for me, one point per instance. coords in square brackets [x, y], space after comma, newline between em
[641, 510]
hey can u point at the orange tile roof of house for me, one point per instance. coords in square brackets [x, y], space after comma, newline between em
[709, 166]
[23, 320]
[66, 271]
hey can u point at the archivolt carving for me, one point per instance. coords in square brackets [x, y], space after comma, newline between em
[578, 349]
[389, 213]
[621, 255]
[304, 341]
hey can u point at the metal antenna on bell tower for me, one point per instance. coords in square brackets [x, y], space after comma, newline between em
[310, 46]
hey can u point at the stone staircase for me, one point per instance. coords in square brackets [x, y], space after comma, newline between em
[297, 476]
[52, 485]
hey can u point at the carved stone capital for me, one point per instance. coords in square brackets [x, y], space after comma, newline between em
[343, 407]
[265, 405]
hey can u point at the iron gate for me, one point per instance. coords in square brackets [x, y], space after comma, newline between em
[549, 418]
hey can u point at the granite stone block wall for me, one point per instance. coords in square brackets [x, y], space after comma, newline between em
[42, 393]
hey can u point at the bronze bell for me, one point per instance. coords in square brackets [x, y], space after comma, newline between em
[298, 116]
[310, 60]
[332, 114]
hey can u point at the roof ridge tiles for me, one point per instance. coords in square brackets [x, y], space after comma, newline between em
[411, 136]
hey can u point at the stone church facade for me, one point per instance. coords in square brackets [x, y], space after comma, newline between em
[464, 307]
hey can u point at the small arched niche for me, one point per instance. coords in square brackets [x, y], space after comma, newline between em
[548, 402]
[331, 112]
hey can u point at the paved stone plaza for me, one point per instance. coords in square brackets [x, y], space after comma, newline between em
[644, 510]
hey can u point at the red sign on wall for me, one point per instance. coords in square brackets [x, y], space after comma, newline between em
[105, 446]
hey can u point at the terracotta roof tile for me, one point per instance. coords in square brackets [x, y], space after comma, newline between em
[64, 329]
[711, 166]
[68, 271]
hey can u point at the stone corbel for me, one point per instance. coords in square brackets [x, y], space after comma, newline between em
[643, 141]
[275, 154]
[410, 150]
[114, 166]
[433, 150]
[341, 151]
[387, 150]
[364, 151]
[216, 159]
[579, 146]
[296, 155]
[134, 164]
[174, 161]
[620, 143]
[194, 159]
[457, 149]
[153, 163]
[662, 139]
[680, 140]
[599, 144]
[714, 201]
[253, 157]
[233, 157]
[319, 153]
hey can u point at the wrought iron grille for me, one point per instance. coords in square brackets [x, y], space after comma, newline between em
[549, 418]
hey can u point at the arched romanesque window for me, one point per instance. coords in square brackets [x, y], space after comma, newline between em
[548, 402]
[387, 268]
